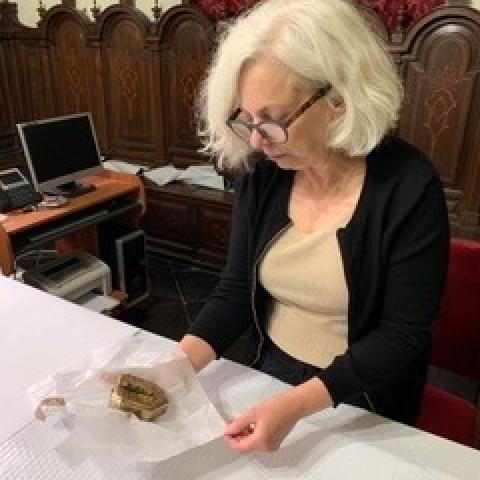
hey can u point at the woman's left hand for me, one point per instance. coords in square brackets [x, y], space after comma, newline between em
[263, 427]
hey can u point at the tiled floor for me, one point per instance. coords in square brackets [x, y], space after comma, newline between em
[179, 291]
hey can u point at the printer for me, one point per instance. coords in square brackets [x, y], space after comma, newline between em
[71, 276]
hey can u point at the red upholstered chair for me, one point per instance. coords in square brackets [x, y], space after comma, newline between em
[456, 348]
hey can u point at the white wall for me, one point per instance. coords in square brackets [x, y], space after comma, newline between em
[476, 4]
[28, 15]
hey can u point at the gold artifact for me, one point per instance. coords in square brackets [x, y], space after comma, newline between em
[141, 397]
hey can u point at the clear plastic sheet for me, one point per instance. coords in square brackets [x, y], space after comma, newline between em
[108, 435]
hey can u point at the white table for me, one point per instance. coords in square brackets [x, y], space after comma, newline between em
[41, 334]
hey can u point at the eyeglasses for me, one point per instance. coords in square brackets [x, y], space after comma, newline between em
[270, 130]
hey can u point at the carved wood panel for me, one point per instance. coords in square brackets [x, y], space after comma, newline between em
[441, 67]
[171, 221]
[38, 82]
[6, 114]
[70, 59]
[214, 229]
[132, 116]
[185, 65]
[189, 223]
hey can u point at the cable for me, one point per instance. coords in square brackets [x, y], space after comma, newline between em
[38, 253]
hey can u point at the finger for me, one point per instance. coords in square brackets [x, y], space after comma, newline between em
[241, 443]
[245, 423]
[248, 430]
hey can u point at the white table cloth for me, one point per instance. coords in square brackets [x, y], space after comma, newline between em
[41, 333]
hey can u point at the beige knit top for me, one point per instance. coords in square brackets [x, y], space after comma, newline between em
[304, 274]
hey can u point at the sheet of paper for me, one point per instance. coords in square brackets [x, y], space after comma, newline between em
[163, 175]
[107, 434]
[120, 166]
[97, 303]
[201, 175]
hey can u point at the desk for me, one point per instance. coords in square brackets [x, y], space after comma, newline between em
[343, 443]
[109, 186]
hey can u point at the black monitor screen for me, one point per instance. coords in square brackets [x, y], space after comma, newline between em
[61, 147]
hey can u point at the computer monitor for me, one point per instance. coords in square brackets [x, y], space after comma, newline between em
[60, 151]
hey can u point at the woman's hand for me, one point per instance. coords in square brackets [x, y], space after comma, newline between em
[198, 351]
[265, 426]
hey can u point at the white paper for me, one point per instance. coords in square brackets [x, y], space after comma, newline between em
[120, 166]
[201, 175]
[163, 175]
[99, 431]
[204, 175]
[97, 303]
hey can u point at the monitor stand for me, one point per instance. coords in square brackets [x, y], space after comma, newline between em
[73, 189]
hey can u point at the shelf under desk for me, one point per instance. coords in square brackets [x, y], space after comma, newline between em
[37, 236]
[72, 226]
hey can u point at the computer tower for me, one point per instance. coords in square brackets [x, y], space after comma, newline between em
[124, 250]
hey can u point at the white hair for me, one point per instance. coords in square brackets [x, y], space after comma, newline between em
[321, 41]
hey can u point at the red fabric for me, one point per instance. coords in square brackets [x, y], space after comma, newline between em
[456, 334]
[448, 416]
[413, 10]
[221, 9]
[214, 9]
[388, 9]
[456, 347]
[234, 7]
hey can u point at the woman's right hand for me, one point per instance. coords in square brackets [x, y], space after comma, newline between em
[198, 351]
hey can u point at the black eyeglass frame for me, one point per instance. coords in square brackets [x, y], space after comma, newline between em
[319, 93]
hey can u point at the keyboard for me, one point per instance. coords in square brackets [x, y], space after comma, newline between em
[69, 226]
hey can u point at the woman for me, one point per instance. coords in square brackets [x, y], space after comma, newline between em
[339, 237]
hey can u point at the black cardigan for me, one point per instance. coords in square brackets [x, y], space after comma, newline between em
[395, 254]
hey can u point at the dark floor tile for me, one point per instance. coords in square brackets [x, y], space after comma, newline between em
[167, 320]
[179, 265]
[196, 284]
[163, 318]
[162, 280]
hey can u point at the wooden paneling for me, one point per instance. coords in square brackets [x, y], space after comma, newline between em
[139, 79]
[185, 63]
[188, 222]
[214, 229]
[172, 219]
[132, 117]
[69, 58]
[440, 63]
[6, 114]
[11, 101]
